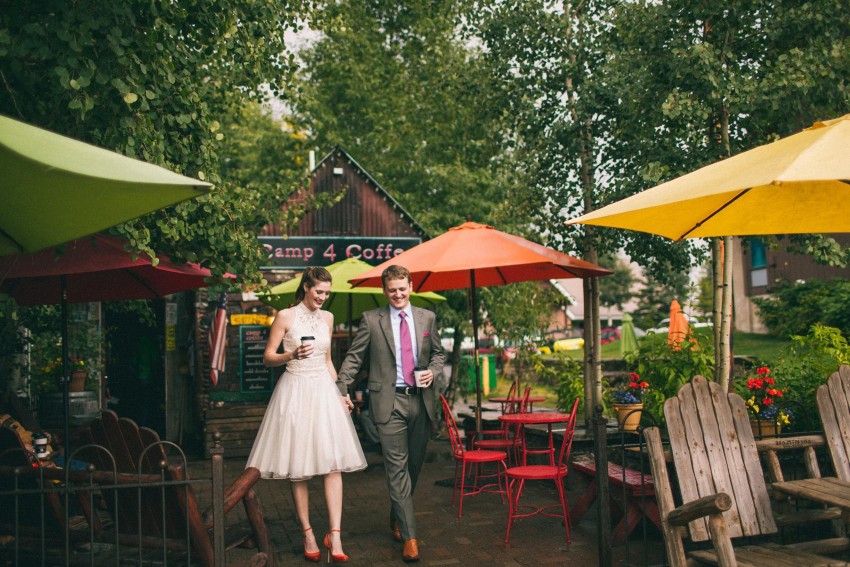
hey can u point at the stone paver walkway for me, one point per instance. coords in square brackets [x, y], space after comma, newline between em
[476, 539]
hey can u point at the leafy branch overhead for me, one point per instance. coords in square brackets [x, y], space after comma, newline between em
[159, 82]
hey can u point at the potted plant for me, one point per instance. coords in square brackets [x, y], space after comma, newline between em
[628, 402]
[47, 381]
[766, 417]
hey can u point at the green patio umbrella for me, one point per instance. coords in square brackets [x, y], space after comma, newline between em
[56, 189]
[628, 337]
[346, 303]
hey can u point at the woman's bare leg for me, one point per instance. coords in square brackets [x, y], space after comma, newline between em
[301, 497]
[333, 498]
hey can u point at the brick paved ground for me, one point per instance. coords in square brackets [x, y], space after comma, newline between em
[476, 539]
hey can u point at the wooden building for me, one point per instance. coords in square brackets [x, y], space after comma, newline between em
[758, 269]
[367, 223]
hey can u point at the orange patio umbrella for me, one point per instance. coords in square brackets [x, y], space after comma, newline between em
[679, 326]
[473, 255]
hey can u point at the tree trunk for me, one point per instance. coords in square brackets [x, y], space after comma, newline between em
[596, 354]
[724, 356]
[589, 382]
[717, 299]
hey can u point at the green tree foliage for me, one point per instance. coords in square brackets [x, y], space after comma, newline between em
[793, 308]
[705, 298]
[392, 83]
[155, 81]
[616, 290]
[549, 63]
[720, 78]
[655, 298]
[519, 327]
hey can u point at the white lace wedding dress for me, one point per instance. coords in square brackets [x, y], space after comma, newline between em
[306, 430]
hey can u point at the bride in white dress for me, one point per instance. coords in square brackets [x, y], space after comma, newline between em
[307, 430]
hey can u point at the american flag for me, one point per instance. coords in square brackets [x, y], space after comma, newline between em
[217, 339]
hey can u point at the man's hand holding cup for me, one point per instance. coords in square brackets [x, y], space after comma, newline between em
[423, 376]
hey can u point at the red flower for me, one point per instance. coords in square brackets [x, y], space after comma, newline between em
[762, 370]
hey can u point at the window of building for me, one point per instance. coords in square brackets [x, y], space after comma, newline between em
[758, 263]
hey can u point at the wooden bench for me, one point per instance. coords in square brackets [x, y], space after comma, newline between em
[637, 487]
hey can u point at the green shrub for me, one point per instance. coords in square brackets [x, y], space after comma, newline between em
[667, 369]
[806, 364]
[565, 374]
[793, 308]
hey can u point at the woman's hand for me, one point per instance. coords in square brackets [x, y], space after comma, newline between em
[303, 351]
[346, 401]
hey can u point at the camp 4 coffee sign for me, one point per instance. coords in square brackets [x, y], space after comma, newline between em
[297, 252]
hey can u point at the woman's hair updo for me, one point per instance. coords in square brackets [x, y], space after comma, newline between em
[311, 276]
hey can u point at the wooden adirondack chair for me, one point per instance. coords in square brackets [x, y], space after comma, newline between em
[126, 441]
[721, 481]
[834, 408]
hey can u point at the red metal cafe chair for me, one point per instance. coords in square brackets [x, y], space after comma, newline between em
[557, 472]
[475, 458]
[509, 407]
[508, 438]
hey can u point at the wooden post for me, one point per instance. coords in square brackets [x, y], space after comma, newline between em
[604, 522]
[217, 455]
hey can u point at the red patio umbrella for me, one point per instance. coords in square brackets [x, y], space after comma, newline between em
[473, 255]
[95, 268]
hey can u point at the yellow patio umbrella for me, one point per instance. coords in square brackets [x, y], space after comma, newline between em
[799, 184]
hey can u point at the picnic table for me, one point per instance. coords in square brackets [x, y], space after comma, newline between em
[639, 497]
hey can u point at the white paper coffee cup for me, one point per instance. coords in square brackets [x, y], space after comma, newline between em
[307, 340]
[417, 375]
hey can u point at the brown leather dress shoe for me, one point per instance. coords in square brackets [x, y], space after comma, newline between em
[396, 531]
[411, 551]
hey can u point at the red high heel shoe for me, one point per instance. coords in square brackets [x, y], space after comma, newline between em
[342, 558]
[313, 556]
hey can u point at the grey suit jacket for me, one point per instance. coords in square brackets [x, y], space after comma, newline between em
[374, 342]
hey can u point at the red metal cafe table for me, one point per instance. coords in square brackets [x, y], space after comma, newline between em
[514, 401]
[539, 418]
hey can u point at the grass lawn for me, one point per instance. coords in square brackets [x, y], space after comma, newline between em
[763, 348]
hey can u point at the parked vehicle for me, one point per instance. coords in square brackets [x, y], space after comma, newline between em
[609, 335]
[664, 325]
[576, 343]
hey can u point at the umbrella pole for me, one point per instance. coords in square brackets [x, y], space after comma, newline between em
[350, 330]
[66, 398]
[477, 362]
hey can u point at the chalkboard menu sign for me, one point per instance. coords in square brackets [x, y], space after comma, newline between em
[254, 375]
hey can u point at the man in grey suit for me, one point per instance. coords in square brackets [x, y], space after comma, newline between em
[394, 340]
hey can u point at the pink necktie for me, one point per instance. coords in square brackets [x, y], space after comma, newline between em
[407, 363]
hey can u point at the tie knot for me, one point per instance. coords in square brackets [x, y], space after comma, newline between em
[402, 314]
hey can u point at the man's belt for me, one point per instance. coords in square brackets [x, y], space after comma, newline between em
[407, 390]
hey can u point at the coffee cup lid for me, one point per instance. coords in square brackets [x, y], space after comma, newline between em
[308, 338]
